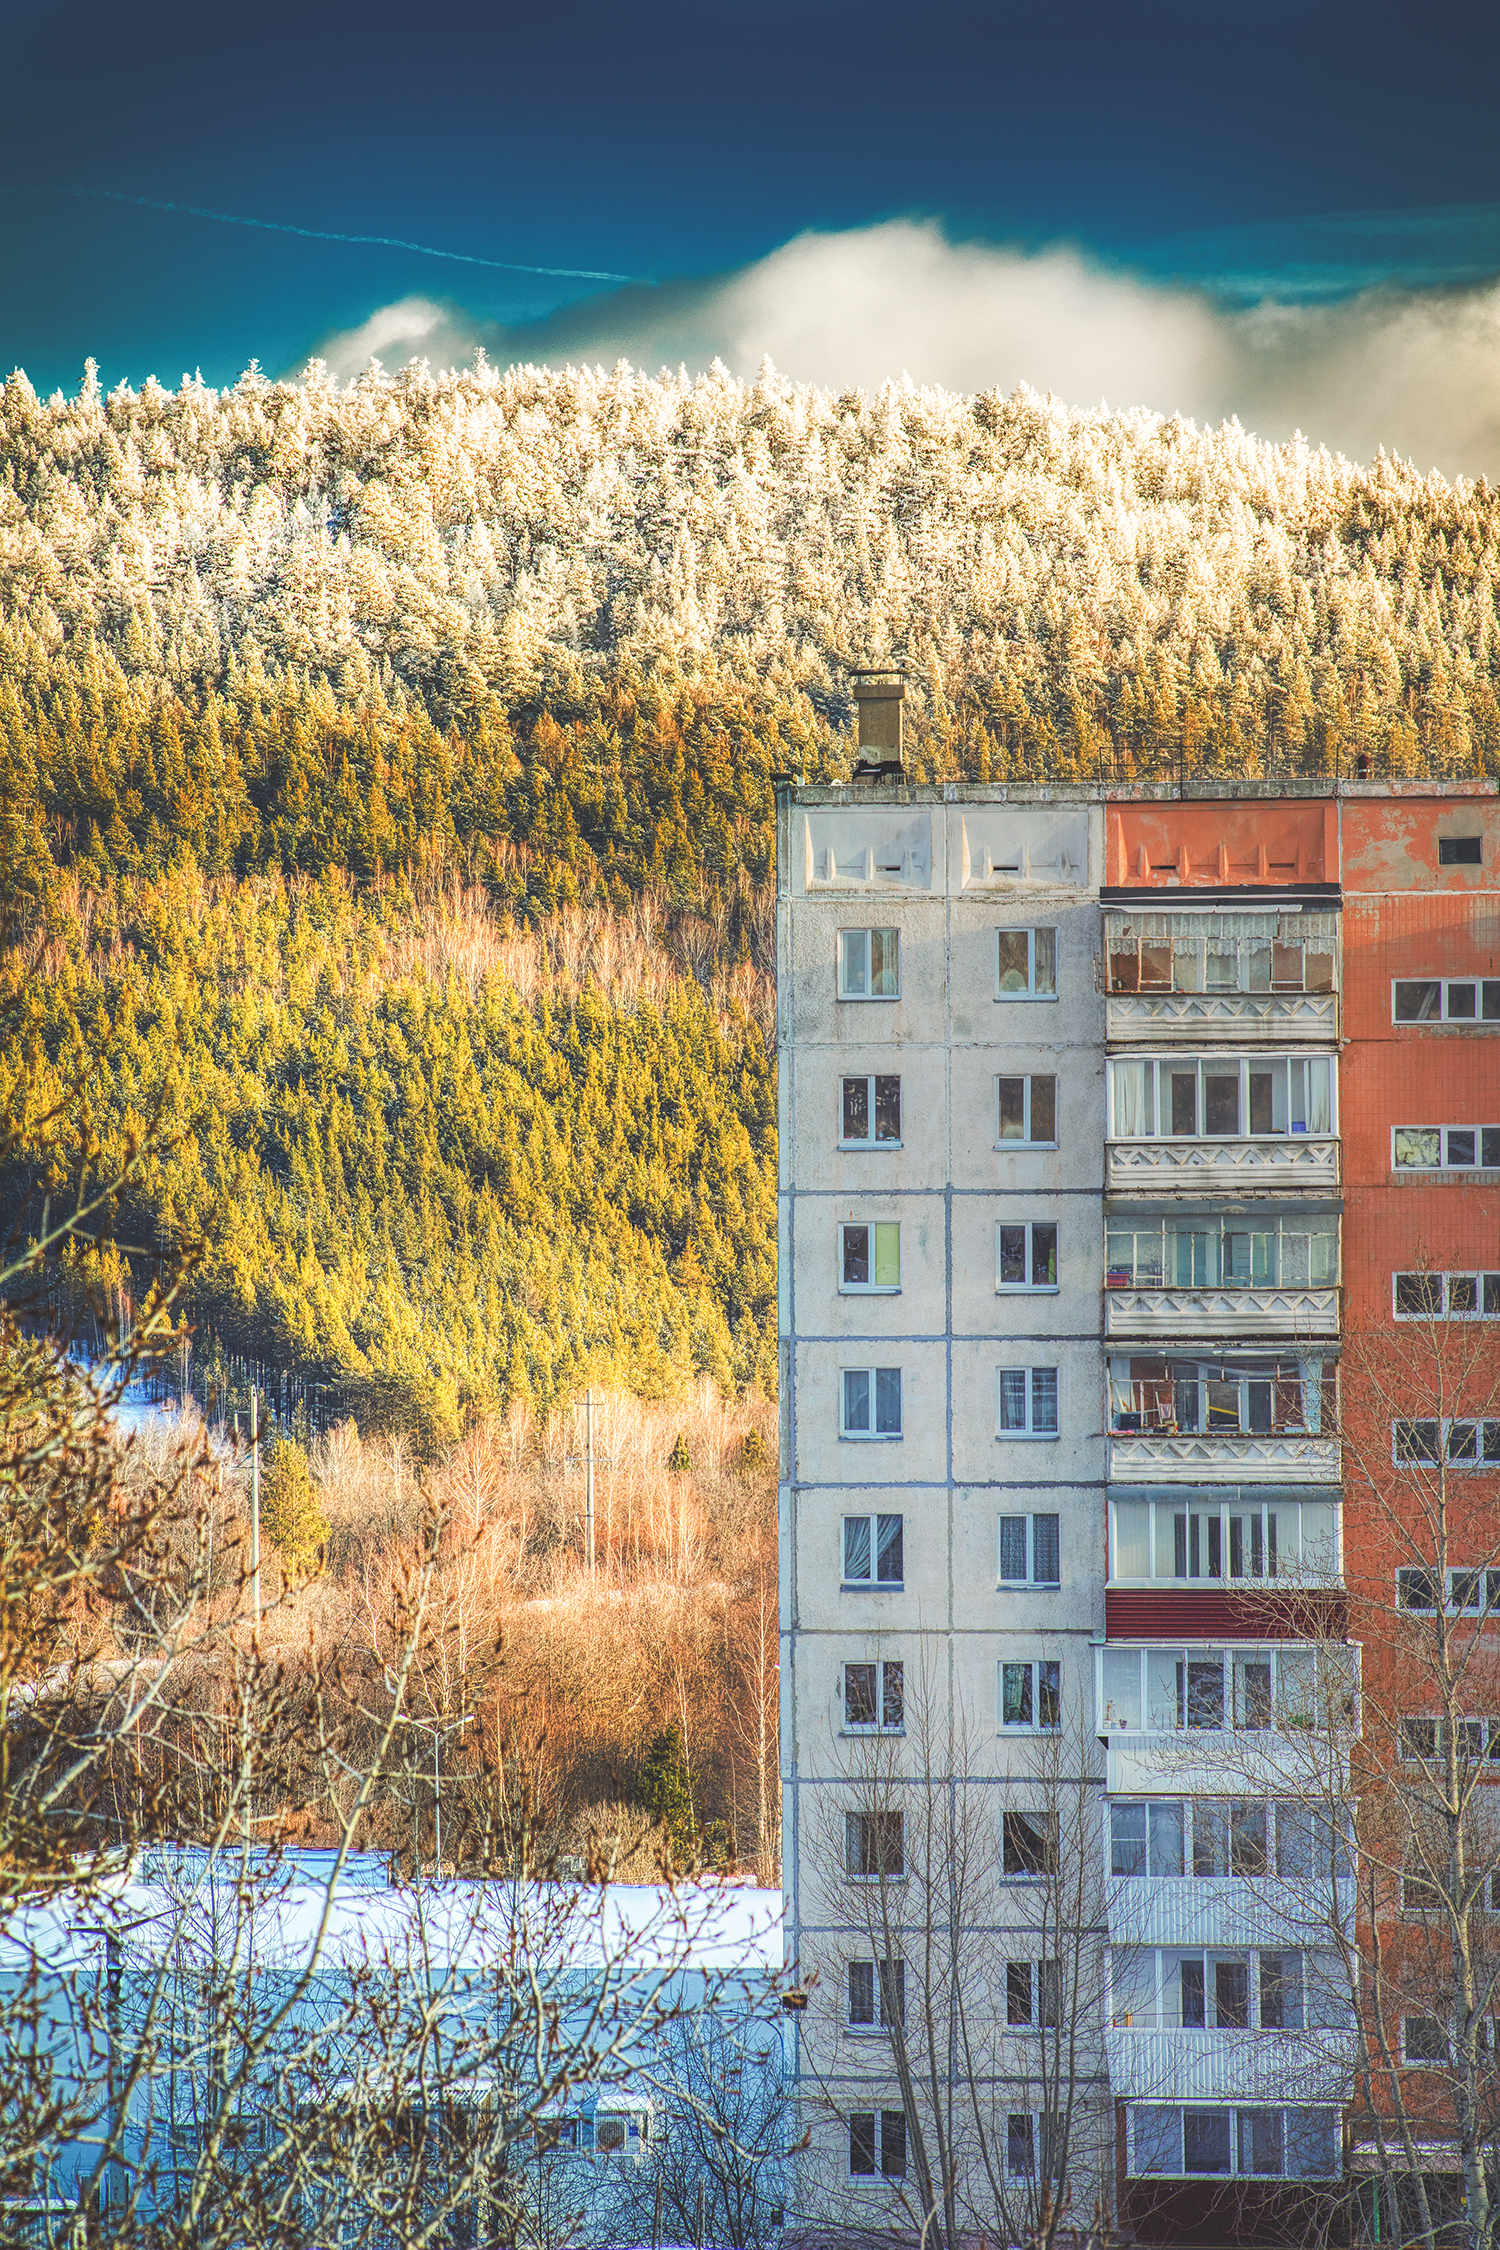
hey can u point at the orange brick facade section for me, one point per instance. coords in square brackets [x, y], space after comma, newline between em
[1405, 915]
[1224, 840]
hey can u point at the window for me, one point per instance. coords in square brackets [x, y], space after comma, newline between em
[1220, 1096]
[871, 1114]
[1028, 1111]
[1446, 1000]
[871, 1399]
[1020, 2145]
[873, 1550]
[1163, 1690]
[1293, 2143]
[1460, 1443]
[869, 964]
[871, 1260]
[1030, 1550]
[1231, 1837]
[1205, 2140]
[1030, 1695]
[1419, 1893]
[877, 1995]
[877, 2144]
[1437, 1148]
[1026, 964]
[1473, 1593]
[1028, 1402]
[874, 1698]
[1460, 851]
[1416, 1589]
[1145, 1839]
[1029, 1843]
[1190, 954]
[1269, 1397]
[1424, 2039]
[1203, 1252]
[873, 1845]
[1461, 1296]
[1422, 1738]
[1026, 1256]
[1033, 1994]
[1202, 1535]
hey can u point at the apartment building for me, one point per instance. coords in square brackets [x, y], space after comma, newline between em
[1421, 1093]
[1102, 1146]
[1228, 2049]
[940, 1035]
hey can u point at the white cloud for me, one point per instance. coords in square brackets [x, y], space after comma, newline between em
[1415, 371]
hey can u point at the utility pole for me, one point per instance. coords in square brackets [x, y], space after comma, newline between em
[588, 1494]
[255, 1516]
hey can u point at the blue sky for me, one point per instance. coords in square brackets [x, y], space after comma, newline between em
[1291, 151]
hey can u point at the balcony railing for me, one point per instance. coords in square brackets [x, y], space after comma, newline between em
[1146, 1314]
[1200, 1167]
[1235, 2066]
[1220, 1762]
[1162, 1458]
[1228, 1911]
[1164, 1018]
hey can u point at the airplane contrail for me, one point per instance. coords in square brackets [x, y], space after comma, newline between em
[323, 234]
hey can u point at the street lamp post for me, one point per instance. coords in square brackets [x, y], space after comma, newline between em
[437, 1731]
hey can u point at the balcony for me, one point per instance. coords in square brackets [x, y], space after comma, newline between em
[1222, 1167]
[1144, 1315]
[1230, 2066]
[1227, 1912]
[1219, 1762]
[1160, 1457]
[1291, 1019]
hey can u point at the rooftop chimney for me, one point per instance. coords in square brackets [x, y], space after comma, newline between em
[878, 691]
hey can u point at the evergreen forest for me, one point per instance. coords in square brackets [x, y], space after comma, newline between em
[387, 816]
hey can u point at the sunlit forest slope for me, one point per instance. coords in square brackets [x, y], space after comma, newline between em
[385, 792]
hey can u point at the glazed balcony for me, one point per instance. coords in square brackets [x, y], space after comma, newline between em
[1164, 1314]
[1287, 1019]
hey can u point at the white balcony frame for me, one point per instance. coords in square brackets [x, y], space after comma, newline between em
[1151, 1314]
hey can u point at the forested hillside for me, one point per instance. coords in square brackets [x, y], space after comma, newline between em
[385, 794]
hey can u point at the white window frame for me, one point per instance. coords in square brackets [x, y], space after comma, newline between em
[1030, 1435]
[1306, 1662]
[871, 1436]
[1486, 1293]
[1446, 1162]
[1220, 1066]
[1036, 2017]
[1031, 935]
[1234, 2111]
[1278, 1227]
[872, 1584]
[1029, 1518]
[869, 1288]
[1288, 1549]
[879, 2173]
[1235, 1367]
[869, 1077]
[882, 1668]
[1486, 994]
[1035, 1666]
[1484, 1459]
[1026, 1078]
[880, 2025]
[881, 1812]
[1028, 1288]
[867, 931]
[1191, 944]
